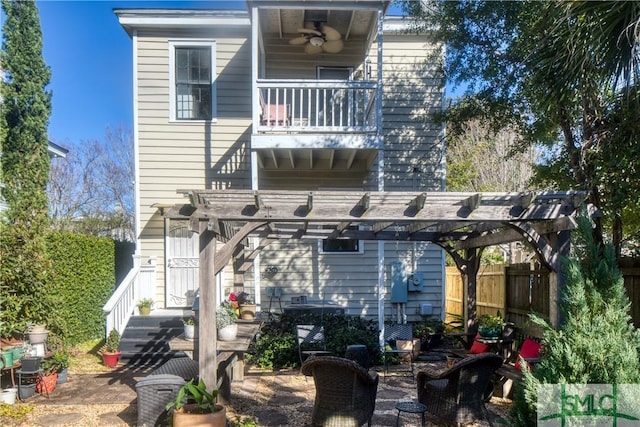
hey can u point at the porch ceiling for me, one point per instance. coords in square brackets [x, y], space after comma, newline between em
[283, 21]
[455, 221]
[314, 159]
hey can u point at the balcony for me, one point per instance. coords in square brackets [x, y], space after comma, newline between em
[312, 106]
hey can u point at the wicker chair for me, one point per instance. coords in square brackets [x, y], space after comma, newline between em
[345, 391]
[456, 395]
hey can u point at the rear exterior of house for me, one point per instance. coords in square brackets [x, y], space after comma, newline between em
[286, 95]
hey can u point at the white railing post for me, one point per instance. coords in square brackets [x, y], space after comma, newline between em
[123, 301]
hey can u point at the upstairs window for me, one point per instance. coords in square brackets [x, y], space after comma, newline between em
[192, 91]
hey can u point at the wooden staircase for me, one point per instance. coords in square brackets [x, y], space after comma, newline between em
[145, 341]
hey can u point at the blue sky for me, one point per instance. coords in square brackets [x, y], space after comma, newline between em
[90, 56]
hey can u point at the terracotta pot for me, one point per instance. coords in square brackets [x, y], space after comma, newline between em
[188, 416]
[47, 384]
[111, 359]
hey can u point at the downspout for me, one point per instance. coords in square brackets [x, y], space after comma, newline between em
[136, 145]
[255, 47]
[381, 265]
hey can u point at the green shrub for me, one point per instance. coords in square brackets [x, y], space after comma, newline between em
[277, 347]
[83, 279]
[597, 342]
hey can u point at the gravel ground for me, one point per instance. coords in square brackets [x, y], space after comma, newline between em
[283, 398]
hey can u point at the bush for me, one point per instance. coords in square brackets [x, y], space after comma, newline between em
[82, 282]
[597, 342]
[276, 346]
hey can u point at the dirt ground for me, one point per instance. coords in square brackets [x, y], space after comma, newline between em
[283, 398]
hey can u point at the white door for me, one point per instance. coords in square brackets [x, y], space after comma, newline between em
[182, 265]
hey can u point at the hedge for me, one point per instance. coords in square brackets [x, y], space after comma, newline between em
[82, 282]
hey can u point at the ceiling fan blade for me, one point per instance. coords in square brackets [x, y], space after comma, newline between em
[309, 31]
[298, 40]
[333, 46]
[330, 33]
[312, 50]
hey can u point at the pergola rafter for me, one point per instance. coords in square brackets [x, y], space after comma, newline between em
[461, 223]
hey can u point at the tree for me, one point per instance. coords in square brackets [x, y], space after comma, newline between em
[26, 106]
[563, 74]
[597, 343]
[91, 191]
[479, 159]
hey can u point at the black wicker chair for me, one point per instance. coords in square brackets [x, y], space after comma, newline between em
[345, 391]
[456, 395]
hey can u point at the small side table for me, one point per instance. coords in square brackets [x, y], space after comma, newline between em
[412, 408]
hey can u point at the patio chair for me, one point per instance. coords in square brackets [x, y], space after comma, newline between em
[311, 341]
[457, 394]
[393, 334]
[345, 391]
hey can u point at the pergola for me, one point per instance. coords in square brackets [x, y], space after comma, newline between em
[462, 223]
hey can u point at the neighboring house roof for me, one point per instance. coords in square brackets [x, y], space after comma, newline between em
[55, 150]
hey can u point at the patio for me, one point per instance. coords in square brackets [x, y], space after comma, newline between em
[283, 398]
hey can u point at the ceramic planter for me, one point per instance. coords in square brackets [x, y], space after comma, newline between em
[38, 335]
[247, 311]
[144, 311]
[8, 396]
[188, 416]
[189, 332]
[228, 333]
[111, 359]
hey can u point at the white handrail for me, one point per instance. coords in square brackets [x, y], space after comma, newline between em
[119, 307]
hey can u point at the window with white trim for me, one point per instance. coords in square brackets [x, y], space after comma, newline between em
[192, 80]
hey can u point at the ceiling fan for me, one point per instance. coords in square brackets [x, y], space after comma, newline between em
[322, 38]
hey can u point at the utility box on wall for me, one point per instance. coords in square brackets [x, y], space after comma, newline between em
[415, 282]
[399, 292]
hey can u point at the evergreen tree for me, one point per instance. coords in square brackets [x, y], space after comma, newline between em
[597, 343]
[24, 117]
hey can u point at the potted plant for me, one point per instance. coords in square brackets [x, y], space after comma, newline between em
[60, 362]
[189, 328]
[47, 382]
[226, 322]
[194, 405]
[490, 326]
[110, 351]
[144, 306]
[247, 306]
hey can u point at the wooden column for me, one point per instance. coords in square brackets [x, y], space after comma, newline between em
[557, 278]
[207, 340]
[468, 265]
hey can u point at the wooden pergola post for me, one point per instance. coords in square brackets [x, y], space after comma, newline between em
[206, 343]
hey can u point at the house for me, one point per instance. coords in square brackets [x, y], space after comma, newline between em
[287, 95]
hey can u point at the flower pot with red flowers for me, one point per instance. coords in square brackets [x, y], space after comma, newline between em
[110, 352]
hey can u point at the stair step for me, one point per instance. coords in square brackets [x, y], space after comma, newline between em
[145, 341]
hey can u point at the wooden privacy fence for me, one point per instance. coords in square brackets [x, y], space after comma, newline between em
[517, 290]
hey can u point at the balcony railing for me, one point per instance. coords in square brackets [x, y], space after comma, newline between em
[317, 106]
